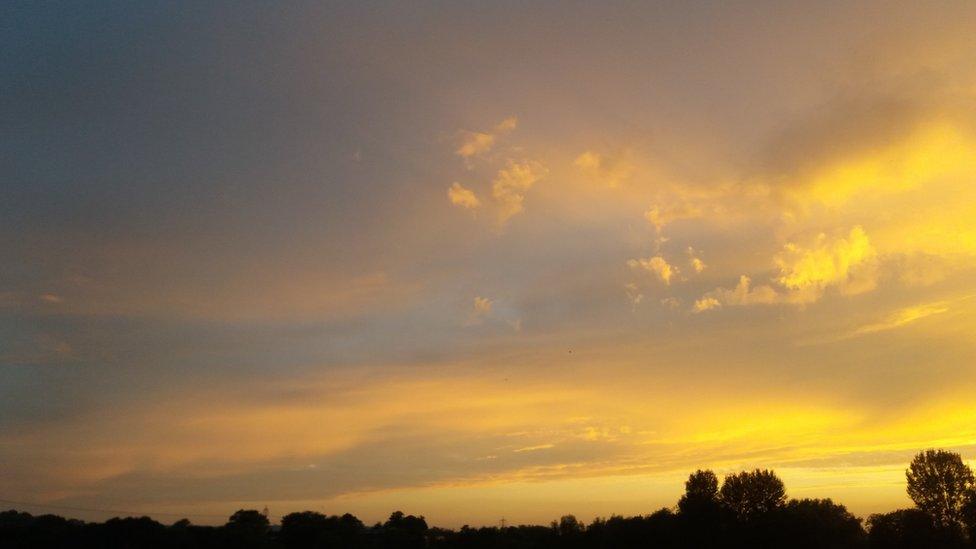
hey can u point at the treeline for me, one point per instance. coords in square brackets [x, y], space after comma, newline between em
[747, 509]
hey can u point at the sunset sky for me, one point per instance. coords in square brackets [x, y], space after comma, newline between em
[474, 260]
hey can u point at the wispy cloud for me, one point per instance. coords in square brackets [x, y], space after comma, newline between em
[610, 171]
[534, 448]
[902, 317]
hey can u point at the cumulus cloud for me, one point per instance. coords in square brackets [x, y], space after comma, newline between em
[463, 197]
[477, 143]
[743, 294]
[510, 185]
[847, 263]
[706, 304]
[657, 265]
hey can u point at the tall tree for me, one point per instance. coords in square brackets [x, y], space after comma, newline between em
[940, 483]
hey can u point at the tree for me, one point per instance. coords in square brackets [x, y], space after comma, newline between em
[404, 531]
[939, 483]
[699, 510]
[902, 529]
[701, 493]
[748, 495]
[567, 526]
[303, 529]
[247, 528]
[814, 523]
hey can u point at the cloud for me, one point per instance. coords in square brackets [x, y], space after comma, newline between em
[480, 310]
[697, 264]
[671, 302]
[657, 265]
[482, 305]
[633, 295]
[478, 143]
[510, 185]
[534, 448]
[742, 294]
[901, 317]
[706, 304]
[489, 311]
[461, 196]
[610, 171]
[659, 215]
[847, 263]
[475, 143]
[507, 125]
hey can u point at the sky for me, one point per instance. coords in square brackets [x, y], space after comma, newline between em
[481, 260]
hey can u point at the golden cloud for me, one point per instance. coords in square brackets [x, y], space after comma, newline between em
[847, 263]
[510, 185]
[656, 265]
[461, 196]
[478, 143]
[609, 171]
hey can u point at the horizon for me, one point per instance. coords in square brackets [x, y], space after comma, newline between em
[482, 261]
[274, 518]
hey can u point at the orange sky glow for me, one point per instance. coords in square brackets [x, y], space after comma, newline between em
[476, 262]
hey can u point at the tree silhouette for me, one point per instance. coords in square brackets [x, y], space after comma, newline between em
[699, 509]
[812, 523]
[303, 529]
[940, 485]
[748, 510]
[248, 519]
[406, 531]
[247, 528]
[568, 526]
[902, 529]
[748, 495]
[701, 493]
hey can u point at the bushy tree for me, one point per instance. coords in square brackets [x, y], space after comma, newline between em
[940, 484]
[248, 519]
[404, 531]
[247, 528]
[903, 529]
[748, 495]
[701, 493]
[312, 529]
[303, 529]
[816, 523]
